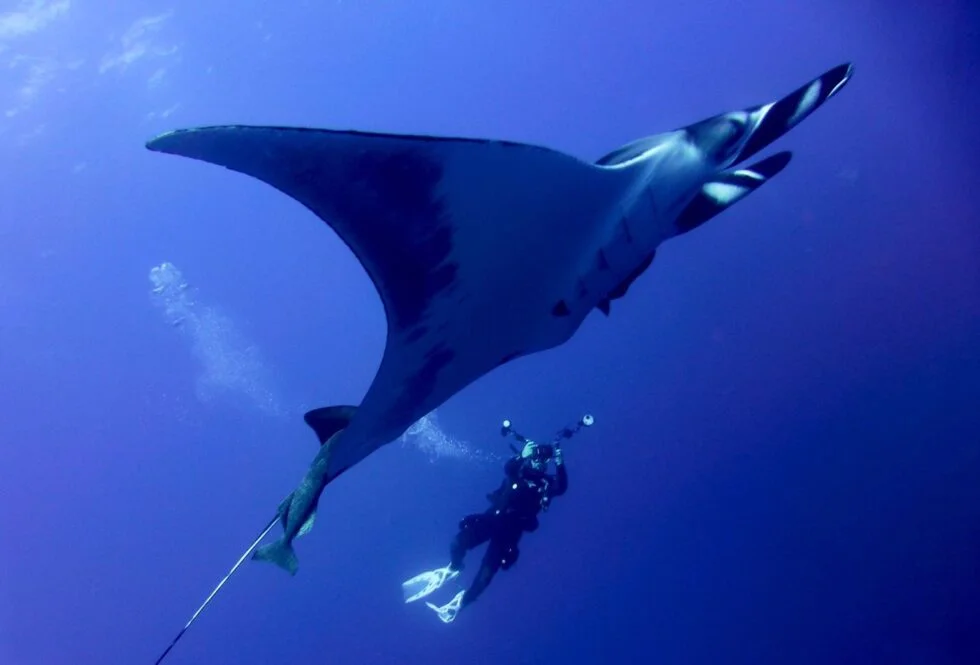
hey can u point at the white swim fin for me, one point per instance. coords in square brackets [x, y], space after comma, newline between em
[425, 583]
[447, 613]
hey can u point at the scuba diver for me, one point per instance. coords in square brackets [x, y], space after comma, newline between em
[527, 490]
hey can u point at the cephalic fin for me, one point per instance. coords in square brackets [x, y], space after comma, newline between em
[728, 188]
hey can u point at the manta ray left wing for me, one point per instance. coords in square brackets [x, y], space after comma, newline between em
[430, 220]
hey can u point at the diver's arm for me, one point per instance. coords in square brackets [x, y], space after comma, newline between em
[561, 486]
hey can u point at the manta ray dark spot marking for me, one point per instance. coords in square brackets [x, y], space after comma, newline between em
[407, 257]
[560, 309]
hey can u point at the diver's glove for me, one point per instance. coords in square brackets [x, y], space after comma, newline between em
[558, 457]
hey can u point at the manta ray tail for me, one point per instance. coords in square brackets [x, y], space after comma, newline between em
[280, 553]
[327, 423]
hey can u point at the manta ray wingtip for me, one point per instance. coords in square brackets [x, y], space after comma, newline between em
[168, 141]
[842, 74]
[160, 142]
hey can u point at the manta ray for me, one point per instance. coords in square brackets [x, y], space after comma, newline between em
[484, 251]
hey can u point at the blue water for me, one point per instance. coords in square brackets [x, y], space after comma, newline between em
[787, 443]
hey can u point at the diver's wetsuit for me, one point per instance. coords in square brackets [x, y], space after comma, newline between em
[514, 509]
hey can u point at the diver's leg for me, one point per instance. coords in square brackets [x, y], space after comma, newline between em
[488, 568]
[501, 554]
[474, 530]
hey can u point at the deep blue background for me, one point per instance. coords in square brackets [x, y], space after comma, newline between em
[784, 467]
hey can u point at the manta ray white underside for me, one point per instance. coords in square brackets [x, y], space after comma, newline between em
[484, 251]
